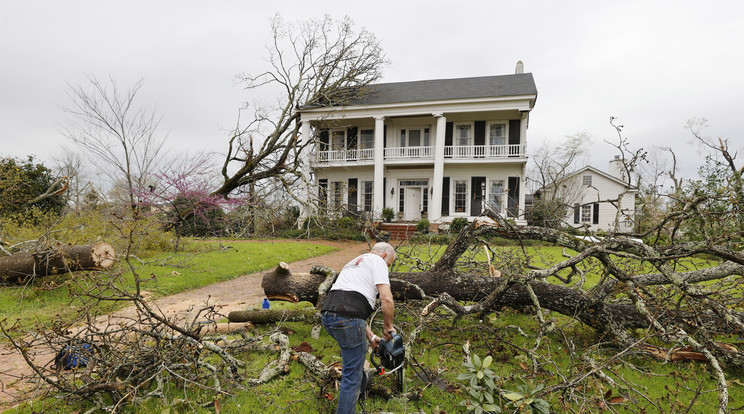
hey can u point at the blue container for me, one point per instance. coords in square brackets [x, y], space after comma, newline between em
[266, 304]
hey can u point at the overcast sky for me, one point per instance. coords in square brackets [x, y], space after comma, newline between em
[652, 64]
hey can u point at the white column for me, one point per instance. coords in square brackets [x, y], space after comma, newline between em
[306, 205]
[435, 199]
[379, 189]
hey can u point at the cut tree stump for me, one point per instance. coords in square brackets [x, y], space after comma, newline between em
[18, 267]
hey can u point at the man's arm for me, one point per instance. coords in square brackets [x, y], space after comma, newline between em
[388, 309]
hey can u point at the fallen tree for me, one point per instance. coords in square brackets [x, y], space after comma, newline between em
[622, 302]
[18, 267]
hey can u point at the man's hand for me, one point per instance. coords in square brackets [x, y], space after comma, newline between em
[375, 341]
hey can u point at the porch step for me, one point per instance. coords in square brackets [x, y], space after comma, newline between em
[398, 231]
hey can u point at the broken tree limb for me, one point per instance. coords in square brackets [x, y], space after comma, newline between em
[466, 287]
[18, 267]
[262, 317]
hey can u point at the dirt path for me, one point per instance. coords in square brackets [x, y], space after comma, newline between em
[237, 294]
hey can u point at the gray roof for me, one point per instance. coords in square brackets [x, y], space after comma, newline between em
[446, 89]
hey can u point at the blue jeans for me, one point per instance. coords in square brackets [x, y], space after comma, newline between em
[351, 335]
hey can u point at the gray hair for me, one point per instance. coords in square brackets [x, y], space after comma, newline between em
[384, 248]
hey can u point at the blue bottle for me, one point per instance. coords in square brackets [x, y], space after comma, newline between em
[265, 304]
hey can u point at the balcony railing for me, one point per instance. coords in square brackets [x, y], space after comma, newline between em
[422, 153]
[395, 153]
[345, 155]
[484, 151]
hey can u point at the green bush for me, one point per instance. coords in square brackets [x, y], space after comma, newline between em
[387, 214]
[458, 224]
[422, 226]
[22, 181]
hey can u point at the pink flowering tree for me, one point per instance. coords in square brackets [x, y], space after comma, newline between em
[181, 193]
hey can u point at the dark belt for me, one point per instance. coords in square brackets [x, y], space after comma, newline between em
[331, 313]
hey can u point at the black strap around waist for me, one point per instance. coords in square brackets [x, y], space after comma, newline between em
[347, 303]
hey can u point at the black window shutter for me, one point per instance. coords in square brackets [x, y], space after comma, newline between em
[448, 132]
[595, 213]
[445, 196]
[577, 214]
[324, 140]
[514, 131]
[322, 195]
[352, 202]
[480, 133]
[384, 136]
[351, 138]
[384, 187]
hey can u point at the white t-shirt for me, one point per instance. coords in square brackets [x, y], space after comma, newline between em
[362, 275]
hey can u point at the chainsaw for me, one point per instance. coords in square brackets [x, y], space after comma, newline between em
[392, 356]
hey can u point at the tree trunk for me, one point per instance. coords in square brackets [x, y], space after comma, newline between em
[17, 268]
[570, 302]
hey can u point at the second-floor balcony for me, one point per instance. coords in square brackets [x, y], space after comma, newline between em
[420, 153]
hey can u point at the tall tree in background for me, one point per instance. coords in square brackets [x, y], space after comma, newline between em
[311, 63]
[117, 133]
[718, 195]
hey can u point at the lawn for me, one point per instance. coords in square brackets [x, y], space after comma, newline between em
[632, 384]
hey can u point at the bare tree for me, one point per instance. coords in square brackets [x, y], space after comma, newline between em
[71, 164]
[553, 164]
[117, 133]
[317, 62]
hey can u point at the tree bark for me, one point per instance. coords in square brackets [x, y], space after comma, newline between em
[17, 268]
[463, 287]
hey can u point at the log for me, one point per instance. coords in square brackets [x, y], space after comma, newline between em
[261, 317]
[464, 287]
[18, 267]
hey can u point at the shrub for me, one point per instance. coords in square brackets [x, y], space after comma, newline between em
[196, 216]
[387, 214]
[422, 226]
[458, 224]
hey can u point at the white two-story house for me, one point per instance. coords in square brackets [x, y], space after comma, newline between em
[438, 149]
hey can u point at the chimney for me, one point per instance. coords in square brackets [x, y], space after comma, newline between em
[520, 67]
[616, 168]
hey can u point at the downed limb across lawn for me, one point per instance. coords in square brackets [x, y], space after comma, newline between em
[605, 308]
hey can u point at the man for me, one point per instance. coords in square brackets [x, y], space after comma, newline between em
[349, 303]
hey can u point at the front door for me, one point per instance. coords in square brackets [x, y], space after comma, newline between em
[412, 206]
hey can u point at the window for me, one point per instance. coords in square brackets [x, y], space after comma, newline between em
[367, 139]
[338, 195]
[367, 195]
[496, 195]
[463, 134]
[461, 195]
[497, 134]
[586, 213]
[401, 199]
[414, 137]
[338, 140]
[586, 180]
[425, 207]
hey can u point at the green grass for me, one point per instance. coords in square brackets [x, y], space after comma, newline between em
[163, 274]
[641, 384]
[645, 383]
